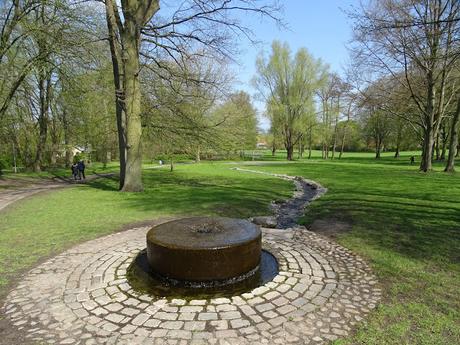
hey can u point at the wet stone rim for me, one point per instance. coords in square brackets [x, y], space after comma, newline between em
[82, 297]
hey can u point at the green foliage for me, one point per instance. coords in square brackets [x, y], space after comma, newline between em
[288, 83]
[238, 124]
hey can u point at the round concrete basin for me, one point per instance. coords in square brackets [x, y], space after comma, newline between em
[204, 248]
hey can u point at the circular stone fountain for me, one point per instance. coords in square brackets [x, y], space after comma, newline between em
[205, 249]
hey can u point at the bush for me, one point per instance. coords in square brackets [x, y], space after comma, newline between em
[78, 157]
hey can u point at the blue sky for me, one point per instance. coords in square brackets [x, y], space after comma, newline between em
[320, 26]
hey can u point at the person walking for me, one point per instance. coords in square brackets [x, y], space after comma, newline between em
[81, 169]
[74, 169]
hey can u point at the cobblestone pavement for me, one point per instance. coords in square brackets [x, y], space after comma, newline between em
[82, 297]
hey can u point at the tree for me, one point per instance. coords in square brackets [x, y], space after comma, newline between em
[194, 25]
[14, 34]
[417, 44]
[453, 148]
[288, 85]
[237, 121]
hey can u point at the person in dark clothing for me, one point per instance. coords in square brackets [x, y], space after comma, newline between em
[81, 169]
[74, 168]
[412, 160]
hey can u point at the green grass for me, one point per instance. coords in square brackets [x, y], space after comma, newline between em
[405, 223]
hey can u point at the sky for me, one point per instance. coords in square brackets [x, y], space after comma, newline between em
[321, 26]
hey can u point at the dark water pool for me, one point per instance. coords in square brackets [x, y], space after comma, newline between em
[144, 280]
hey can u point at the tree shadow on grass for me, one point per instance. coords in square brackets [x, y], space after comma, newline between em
[185, 194]
[414, 230]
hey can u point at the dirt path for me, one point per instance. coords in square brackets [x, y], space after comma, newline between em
[26, 188]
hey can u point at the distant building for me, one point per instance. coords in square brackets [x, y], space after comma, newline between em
[262, 144]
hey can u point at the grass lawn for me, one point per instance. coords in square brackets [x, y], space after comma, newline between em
[407, 224]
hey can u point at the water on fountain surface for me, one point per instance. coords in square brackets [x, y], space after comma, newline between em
[144, 280]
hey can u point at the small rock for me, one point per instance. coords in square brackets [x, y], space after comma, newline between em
[265, 221]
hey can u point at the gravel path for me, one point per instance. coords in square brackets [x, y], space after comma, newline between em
[9, 196]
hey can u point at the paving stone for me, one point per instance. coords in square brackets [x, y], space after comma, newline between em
[247, 310]
[227, 315]
[280, 301]
[186, 316]
[226, 307]
[115, 318]
[195, 326]
[226, 334]
[166, 316]
[219, 324]
[172, 324]
[140, 319]
[207, 316]
[152, 323]
[190, 309]
[114, 307]
[129, 311]
[264, 307]
[276, 321]
[238, 323]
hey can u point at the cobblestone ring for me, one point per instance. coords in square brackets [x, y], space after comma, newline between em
[82, 297]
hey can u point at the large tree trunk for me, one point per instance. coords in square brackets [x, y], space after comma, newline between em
[290, 152]
[453, 140]
[429, 130]
[427, 150]
[437, 149]
[54, 154]
[119, 94]
[444, 141]
[44, 91]
[288, 144]
[132, 101]
[125, 62]
[378, 149]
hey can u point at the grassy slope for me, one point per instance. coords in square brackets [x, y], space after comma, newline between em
[406, 223]
[408, 226]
